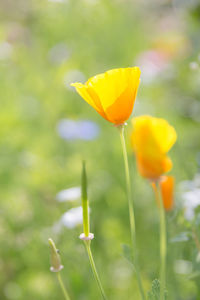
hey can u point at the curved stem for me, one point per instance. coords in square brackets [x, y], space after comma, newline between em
[131, 212]
[62, 286]
[94, 270]
[163, 241]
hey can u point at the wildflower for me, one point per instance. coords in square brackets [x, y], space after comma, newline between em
[72, 217]
[112, 94]
[151, 139]
[70, 194]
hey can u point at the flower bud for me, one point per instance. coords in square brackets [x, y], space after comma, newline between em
[54, 257]
[167, 191]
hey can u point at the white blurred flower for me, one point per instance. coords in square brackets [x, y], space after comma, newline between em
[72, 217]
[183, 266]
[191, 201]
[191, 196]
[70, 194]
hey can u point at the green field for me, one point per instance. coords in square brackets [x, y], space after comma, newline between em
[44, 46]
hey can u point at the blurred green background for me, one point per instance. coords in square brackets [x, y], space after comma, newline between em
[45, 45]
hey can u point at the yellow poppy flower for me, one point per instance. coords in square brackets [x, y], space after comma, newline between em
[112, 94]
[151, 139]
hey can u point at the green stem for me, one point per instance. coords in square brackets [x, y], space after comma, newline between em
[163, 243]
[62, 286]
[94, 270]
[131, 212]
[85, 202]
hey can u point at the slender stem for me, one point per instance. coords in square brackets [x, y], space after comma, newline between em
[163, 251]
[94, 270]
[62, 286]
[85, 202]
[163, 242]
[131, 212]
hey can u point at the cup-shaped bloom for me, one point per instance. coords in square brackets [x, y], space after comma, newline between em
[112, 94]
[151, 139]
[167, 191]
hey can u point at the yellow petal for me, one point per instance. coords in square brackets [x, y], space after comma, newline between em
[83, 92]
[153, 168]
[112, 94]
[151, 139]
[155, 133]
[121, 109]
[110, 85]
[88, 94]
[142, 138]
[164, 134]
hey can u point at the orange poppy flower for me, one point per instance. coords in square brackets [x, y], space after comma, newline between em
[167, 191]
[166, 184]
[151, 139]
[112, 94]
